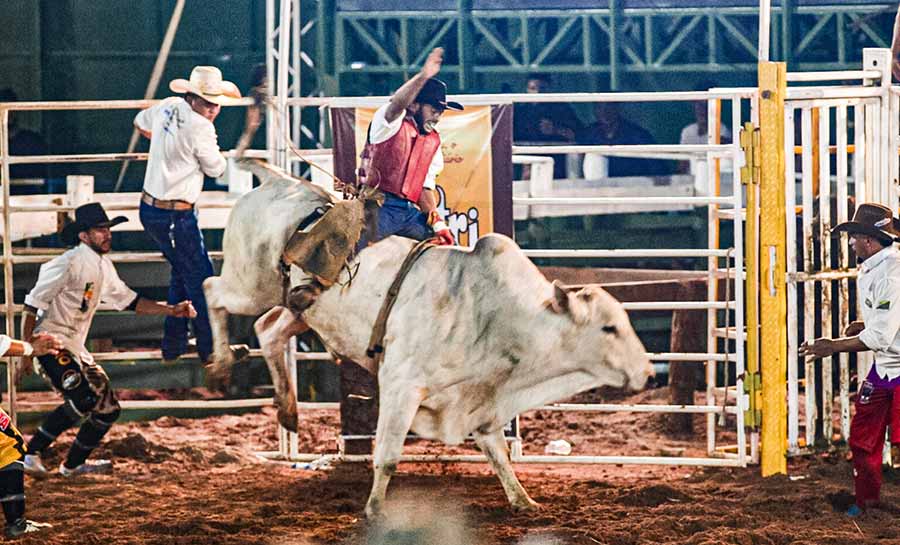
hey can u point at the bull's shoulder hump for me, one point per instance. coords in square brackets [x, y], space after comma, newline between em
[498, 255]
[494, 244]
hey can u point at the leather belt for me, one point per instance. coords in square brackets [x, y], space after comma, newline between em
[165, 205]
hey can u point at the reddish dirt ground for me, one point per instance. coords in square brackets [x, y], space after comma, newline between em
[197, 481]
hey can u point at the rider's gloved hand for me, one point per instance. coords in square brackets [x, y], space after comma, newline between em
[442, 233]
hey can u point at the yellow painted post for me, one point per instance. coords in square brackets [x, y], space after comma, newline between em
[750, 179]
[773, 301]
[815, 149]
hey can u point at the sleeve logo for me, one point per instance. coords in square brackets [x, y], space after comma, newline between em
[87, 296]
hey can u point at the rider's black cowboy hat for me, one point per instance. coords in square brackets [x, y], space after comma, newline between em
[434, 92]
[88, 216]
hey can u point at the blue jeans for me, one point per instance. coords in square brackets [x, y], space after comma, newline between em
[398, 216]
[178, 237]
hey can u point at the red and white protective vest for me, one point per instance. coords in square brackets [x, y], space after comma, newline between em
[399, 164]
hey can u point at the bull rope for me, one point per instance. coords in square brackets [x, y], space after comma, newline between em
[376, 340]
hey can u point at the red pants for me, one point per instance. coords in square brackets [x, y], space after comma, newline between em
[867, 430]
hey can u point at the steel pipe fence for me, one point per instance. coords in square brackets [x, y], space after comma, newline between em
[872, 119]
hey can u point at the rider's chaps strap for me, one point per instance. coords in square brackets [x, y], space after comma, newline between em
[285, 263]
[376, 348]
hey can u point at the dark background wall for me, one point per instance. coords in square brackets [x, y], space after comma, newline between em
[105, 49]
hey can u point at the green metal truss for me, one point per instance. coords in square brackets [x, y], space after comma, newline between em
[356, 50]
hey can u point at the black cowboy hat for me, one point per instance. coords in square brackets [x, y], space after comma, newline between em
[88, 216]
[873, 220]
[434, 92]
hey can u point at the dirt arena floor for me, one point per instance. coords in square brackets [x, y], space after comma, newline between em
[197, 481]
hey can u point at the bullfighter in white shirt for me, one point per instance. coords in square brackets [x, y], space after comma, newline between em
[68, 291]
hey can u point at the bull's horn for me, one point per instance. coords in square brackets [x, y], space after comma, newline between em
[559, 303]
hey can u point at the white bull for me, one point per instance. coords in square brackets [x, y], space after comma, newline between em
[475, 337]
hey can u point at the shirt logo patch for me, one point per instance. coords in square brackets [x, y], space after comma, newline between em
[883, 305]
[5, 421]
[70, 380]
[87, 297]
[173, 117]
[868, 303]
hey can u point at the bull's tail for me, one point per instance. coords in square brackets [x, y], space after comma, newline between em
[268, 173]
[264, 171]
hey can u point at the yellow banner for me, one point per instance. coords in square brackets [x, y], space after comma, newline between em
[465, 187]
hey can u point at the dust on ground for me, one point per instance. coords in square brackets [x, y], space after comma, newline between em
[199, 481]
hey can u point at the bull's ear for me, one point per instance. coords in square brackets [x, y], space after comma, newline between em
[564, 302]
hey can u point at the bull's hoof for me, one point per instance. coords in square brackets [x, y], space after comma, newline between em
[239, 352]
[374, 511]
[526, 506]
[217, 378]
[288, 418]
[302, 297]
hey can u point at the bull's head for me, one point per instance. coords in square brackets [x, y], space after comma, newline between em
[603, 328]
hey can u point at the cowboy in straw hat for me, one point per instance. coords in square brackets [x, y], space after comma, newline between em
[873, 231]
[206, 82]
[68, 292]
[183, 148]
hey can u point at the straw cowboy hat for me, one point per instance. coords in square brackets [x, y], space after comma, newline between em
[873, 220]
[207, 82]
[88, 216]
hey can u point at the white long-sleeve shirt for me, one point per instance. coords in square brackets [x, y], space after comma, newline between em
[69, 289]
[878, 290]
[183, 147]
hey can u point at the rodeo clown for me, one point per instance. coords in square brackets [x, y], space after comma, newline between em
[402, 158]
[12, 444]
[68, 291]
[873, 232]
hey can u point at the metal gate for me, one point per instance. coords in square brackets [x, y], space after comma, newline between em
[840, 145]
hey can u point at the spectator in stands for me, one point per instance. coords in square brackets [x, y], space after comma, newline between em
[873, 232]
[68, 291]
[696, 133]
[183, 147]
[544, 122]
[23, 142]
[12, 444]
[611, 128]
